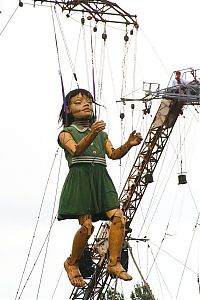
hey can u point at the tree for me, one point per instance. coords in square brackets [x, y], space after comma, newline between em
[141, 292]
[111, 294]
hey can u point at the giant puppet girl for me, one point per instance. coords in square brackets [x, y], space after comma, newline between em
[88, 193]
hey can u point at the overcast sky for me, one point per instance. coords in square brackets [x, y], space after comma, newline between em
[30, 95]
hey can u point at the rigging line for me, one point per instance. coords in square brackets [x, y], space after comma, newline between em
[174, 258]
[58, 57]
[153, 194]
[139, 271]
[36, 225]
[57, 284]
[9, 20]
[161, 184]
[124, 73]
[184, 148]
[93, 73]
[190, 246]
[184, 139]
[85, 51]
[155, 257]
[147, 259]
[56, 40]
[156, 53]
[159, 274]
[101, 69]
[77, 47]
[124, 66]
[138, 254]
[37, 258]
[48, 240]
[179, 153]
[193, 197]
[135, 60]
[66, 47]
[128, 159]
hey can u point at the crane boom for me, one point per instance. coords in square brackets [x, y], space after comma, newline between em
[154, 143]
[135, 186]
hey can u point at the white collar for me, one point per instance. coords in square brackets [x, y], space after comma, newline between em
[79, 129]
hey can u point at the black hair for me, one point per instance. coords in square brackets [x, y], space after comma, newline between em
[65, 117]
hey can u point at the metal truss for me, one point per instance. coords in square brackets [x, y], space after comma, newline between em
[142, 171]
[99, 10]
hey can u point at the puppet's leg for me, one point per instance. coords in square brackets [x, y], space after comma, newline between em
[79, 242]
[116, 239]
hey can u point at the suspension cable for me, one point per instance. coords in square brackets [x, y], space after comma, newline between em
[59, 65]
[37, 258]
[85, 49]
[190, 246]
[9, 20]
[160, 275]
[36, 226]
[139, 271]
[66, 47]
[51, 223]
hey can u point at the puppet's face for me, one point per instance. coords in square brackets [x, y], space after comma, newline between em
[81, 107]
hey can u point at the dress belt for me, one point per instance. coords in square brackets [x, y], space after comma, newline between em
[88, 159]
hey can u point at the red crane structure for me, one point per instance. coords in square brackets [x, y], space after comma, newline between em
[138, 179]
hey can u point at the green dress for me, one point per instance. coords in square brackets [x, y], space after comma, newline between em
[88, 188]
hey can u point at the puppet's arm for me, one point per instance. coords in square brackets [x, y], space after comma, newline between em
[133, 140]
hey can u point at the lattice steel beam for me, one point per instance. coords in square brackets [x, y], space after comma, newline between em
[100, 10]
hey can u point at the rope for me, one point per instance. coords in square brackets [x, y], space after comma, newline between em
[93, 75]
[51, 223]
[57, 284]
[58, 57]
[190, 246]
[35, 229]
[139, 271]
[160, 275]
[66, 47]
[85, 51]
[37, 259]
[8, 20]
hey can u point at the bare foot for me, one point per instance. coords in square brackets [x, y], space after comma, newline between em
[118, 271]
[74, 274]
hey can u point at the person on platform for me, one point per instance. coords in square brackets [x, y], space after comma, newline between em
[179, 84]
[88, 193]
[178, 80]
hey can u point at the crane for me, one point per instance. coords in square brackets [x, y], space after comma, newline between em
[140, 176]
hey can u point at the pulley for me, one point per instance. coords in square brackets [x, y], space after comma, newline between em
[122, 115]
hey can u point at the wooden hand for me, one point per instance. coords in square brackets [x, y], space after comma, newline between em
[97, 127]
[135, 138]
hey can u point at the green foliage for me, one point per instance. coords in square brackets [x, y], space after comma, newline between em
[141, 292]
[111, 294]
